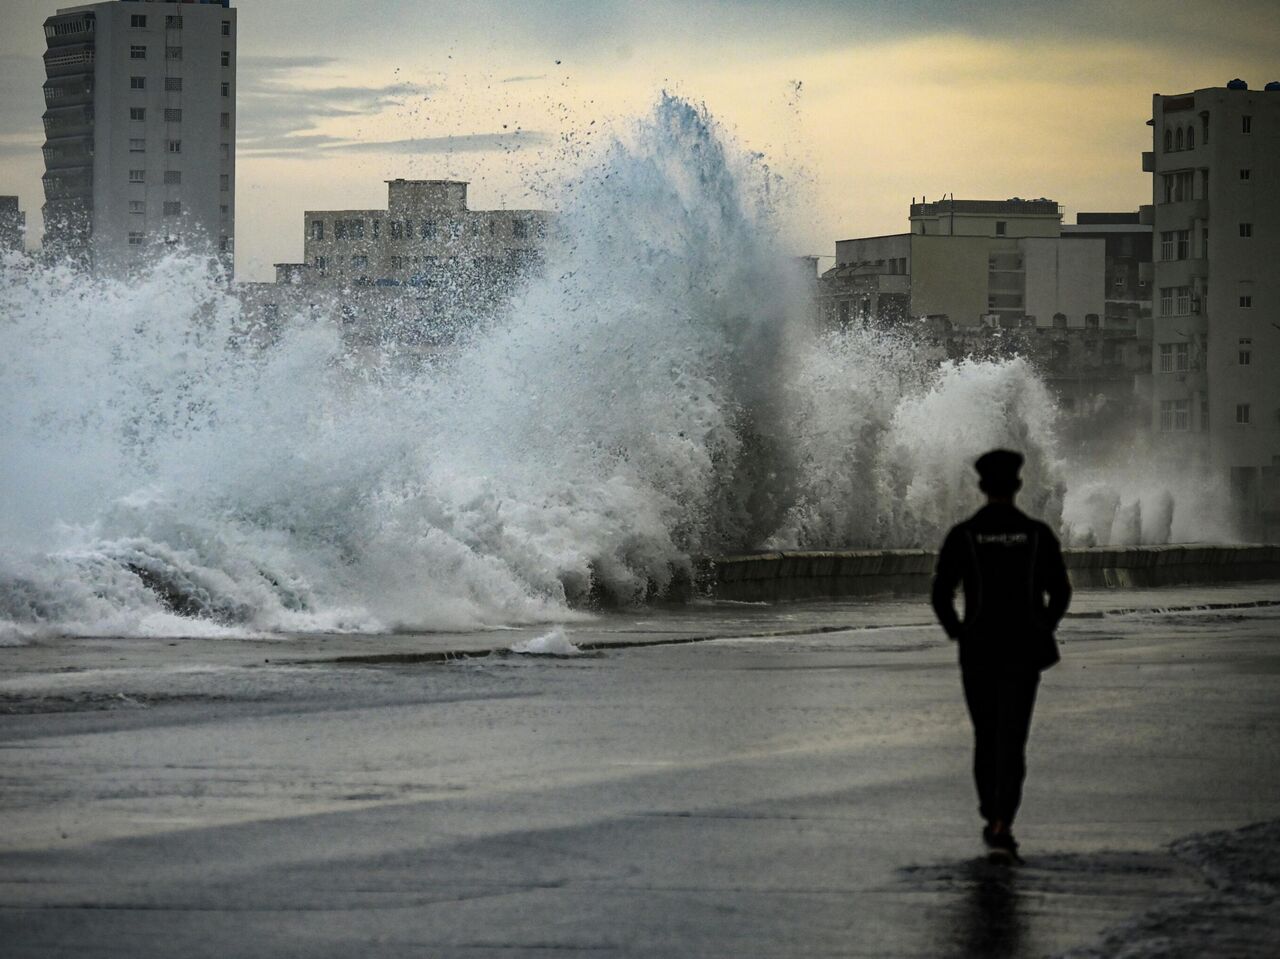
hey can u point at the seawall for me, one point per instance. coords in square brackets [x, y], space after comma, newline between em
[829, 574]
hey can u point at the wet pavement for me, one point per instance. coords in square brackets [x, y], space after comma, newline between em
[797, 786]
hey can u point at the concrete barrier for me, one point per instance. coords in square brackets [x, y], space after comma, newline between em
[829, 574]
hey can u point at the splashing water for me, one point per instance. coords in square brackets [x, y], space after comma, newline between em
[658, 394]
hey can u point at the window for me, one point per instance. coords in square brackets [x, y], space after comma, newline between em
[1184, 244]
[172, 207]
[1183, 305]
[175, 146]
[224, 244]
[520, 229]
[376, 225]
[224, 211]
[339, 229]
[173, 53]
[137, 52]
[359, 262]
[172, 22]
[1001, 226]
[317, 229]
[135, 238]
[1168, 141]
[225, 121]
[1246, 124]
[1246, 302]
[137, 206]
[1092, 321]
[1245, 173]
[1166, 244]
[1204, 127]
[140, 83]
[428, 229]
[138, 145]
[397, 230]
[137, 176]
[1191, 138]
[226, 58]
[1244, 354]
[224, 182]
[1175, 415]
[225, 88]
[397, 263]
[226, 28]
[1177, 139]
[173, 84]
[320, 263]
[137, 113]
[1246, 229]
[1242, 414]
[225, 150]
[1174, 357]
[172, 116]
[138, 20]
[172, 177]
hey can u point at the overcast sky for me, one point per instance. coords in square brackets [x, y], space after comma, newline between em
[862, 104]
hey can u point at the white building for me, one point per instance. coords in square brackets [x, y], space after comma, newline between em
[140, 130]
[425, 237]
[977, 263]
[1215, 373]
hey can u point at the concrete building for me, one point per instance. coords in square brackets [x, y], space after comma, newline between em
[13, 225]
[425, 237]
[1000, 263]
[1215, 373]
[140, 130]
[1127, 254]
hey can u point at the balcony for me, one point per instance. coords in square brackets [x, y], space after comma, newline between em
[64, 30]
[68, 122]
[1181, 213]
[1146, 214]
[68, 152]
[1180, 272]
[68, 91]
[64, 61]
[68, 183]
[1148, 161]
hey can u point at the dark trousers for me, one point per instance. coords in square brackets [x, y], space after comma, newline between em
[1000, 701]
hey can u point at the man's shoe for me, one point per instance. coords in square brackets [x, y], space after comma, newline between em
[1004, 848]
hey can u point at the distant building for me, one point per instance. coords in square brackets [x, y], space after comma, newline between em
[1127, 256]
[425, 237]
[13, 224]
[1215, 373]
[140, 130]
[996, 263]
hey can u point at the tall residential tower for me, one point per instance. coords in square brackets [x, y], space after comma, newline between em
[1215, 374]
[140, 130]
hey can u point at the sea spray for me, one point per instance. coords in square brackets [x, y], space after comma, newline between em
[658, 393]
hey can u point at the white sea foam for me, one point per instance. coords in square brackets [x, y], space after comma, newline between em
[554, 643]
[658, 394]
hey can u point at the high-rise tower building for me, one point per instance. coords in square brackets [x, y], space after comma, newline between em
[1215, 375]
[140, 130]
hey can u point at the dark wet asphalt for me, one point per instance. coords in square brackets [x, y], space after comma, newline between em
[788, 796]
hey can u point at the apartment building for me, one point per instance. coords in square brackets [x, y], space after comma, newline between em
[998, 263]
[13, 224]
[140, 131]
[426, 237]
[1215, 374]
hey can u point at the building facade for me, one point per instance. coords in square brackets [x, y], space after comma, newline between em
[426, 237]
[998, 263]
[1215, 373]
[13, 224]
[140, 130]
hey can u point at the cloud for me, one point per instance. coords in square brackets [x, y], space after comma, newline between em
[319, 145]
[524, 78]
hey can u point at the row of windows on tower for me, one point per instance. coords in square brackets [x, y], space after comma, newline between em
[138, 51]
[1184, 138]
[174, 178]
[1175, 415]
[138, 21]
[174, 115]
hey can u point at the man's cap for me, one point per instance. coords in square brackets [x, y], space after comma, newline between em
[999, 466]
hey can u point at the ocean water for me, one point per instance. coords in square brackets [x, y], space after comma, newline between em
[659, 393]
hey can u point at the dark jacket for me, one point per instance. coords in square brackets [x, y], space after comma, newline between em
[1009, 563]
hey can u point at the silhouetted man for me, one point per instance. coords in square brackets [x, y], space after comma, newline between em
[1008, 563]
